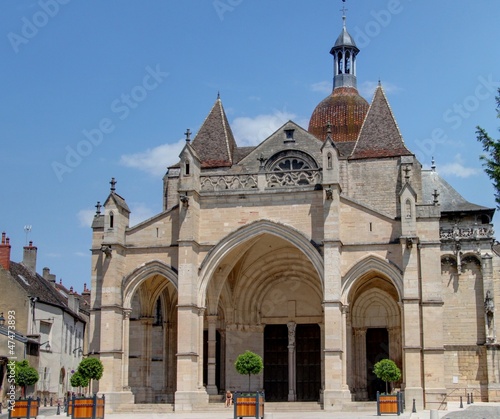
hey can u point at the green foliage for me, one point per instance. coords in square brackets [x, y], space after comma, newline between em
[78, 380]
[491, 161]
[25, 375]
[249, 363]
[387, 371]
[91, 368]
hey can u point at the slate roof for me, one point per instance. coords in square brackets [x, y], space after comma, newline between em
[449, 199]
[215, 142]
[380, 136]
[120, 201]
[344, 39]
[36, 286]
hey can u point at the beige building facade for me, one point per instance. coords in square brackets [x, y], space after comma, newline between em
[323, 250]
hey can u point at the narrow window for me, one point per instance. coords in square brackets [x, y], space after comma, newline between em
[289, 135]
[408, 208]
[187, 169]
[111, 220]
[330, 164]
[371, 227]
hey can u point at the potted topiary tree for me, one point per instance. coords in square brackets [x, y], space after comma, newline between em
[25, 375]
[387, 371]
[90, 368]
[249, 404]
[249, 363]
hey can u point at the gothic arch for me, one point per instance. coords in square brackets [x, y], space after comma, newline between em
[247, 234]
[132, 281]
[370, 265]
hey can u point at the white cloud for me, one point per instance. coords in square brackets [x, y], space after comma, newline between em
[322, 87]
[252, 131]
[155, 160]
[457, 168]
[367, 88]
[85, 217]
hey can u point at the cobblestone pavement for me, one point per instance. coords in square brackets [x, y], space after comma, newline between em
[477, 411]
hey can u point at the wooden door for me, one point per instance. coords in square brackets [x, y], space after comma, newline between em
[276, 362]
[308, 362]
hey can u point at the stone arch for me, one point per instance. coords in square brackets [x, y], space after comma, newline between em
[245, 236]
[371, 265]
[146, 270]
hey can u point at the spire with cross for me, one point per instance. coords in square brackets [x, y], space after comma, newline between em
[188, 135]
[98, 208]
[343, 10]
[113, 184]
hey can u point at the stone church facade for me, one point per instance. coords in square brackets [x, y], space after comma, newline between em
[323, 250]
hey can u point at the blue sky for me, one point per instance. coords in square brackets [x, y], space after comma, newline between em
[97, 89]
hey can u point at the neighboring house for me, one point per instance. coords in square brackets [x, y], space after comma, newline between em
[323, 250]
[50, 321]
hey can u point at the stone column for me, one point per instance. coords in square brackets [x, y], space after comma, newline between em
[222, 366]
[126, 347]
[360, 363]
[291, 362]
[201, 317]
[147, 351]
[212, 354]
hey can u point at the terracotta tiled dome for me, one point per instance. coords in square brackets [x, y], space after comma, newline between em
[345, 110]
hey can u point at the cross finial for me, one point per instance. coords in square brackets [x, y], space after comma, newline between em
[343, 10]
[407, 171]
[98, 208]
[188, 135]
[433, 164]
[435, 195]
[328, 127]
[113, 184]
[262, 160]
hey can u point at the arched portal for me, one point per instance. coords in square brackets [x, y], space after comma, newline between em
[150, 296]
[265, 295]
[374, 325]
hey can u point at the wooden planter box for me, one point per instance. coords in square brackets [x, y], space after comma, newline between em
[391, 404]
[248, 405]
[25, 408]
[86, 408]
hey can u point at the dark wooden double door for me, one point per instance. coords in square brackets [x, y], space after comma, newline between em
[307, 362]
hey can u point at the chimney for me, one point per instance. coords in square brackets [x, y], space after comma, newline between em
[29, 257]
[5, 252]
[49, 277]
[73, 301]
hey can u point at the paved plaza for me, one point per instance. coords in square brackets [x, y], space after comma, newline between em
[476, 411]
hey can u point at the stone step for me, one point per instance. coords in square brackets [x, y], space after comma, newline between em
[292, 407]
[145, 408]
[360, 407]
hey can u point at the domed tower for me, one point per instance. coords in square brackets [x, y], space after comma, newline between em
[344, 109]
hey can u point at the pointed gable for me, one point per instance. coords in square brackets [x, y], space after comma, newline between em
[214, 142]
[379, 136]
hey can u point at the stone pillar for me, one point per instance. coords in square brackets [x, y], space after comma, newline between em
[222, 366]
[360, 377]
[212, 353]
[336, 392]
[201, 317]
[291, 362]
[126, 347]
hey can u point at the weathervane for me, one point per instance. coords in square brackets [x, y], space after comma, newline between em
[343, 10]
